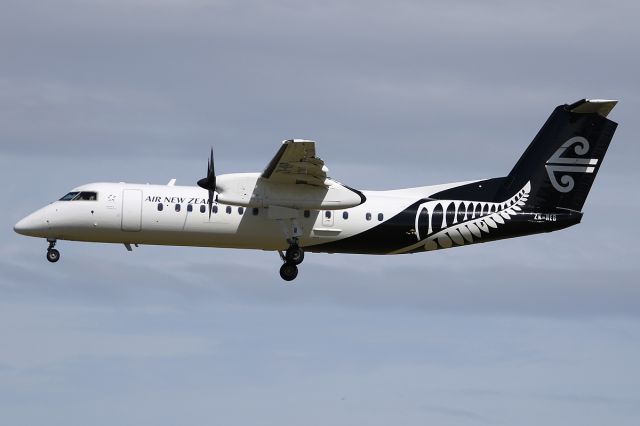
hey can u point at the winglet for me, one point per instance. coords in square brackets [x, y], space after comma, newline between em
[172, 182]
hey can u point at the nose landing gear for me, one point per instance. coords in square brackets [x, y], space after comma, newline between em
[53, 255]
[292, 258]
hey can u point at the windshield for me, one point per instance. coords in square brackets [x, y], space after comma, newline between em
[84, 195]
[69, 196]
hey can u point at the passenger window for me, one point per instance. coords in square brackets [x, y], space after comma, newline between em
[70, 196]
[177, 207]
[189, 208]
[307, 213]
[368, 216]
[255, 211]
[345, 215]
[215, 209]
[240, 210]
[160, 207]
[203, 209]
[327, 214]
[228, 209]
[87, 196]
[380, 217]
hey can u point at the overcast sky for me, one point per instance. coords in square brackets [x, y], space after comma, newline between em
[538, 330]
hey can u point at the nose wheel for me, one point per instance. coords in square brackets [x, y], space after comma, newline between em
[292, 258]
[53, 255]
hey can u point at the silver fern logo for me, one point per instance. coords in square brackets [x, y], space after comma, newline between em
[445, 223]
[558, 163]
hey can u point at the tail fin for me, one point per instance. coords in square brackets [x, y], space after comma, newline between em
[562, 161]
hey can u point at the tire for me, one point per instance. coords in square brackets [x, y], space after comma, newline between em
[53, 255]
[294, 255]
[288, 271]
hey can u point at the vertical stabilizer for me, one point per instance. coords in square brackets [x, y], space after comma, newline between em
[564, 158]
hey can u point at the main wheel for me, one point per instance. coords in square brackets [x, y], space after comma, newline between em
[288, 271]
[294, 255]
[53, 255]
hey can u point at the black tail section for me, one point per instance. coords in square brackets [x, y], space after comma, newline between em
[564, 157]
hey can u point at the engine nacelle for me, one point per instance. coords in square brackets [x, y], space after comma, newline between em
[251, 190]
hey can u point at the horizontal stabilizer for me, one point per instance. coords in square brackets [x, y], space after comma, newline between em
[587, 106]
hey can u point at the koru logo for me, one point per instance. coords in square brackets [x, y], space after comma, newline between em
[559, 164]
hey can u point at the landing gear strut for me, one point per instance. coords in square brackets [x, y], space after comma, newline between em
[53, 255]
[292, 258]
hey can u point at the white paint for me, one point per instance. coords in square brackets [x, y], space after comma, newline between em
[131, 210]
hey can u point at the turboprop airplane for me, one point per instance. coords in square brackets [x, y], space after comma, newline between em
[293, 207]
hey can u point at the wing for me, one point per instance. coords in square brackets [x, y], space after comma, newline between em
[296, 162]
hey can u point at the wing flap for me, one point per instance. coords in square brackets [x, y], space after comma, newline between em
[296, 163]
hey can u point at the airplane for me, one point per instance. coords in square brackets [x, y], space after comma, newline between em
[293, 207]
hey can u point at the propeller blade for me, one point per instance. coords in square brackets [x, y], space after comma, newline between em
[209, 182]
[210, 202]
[211, 171]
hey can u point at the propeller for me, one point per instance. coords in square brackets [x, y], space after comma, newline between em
[209, 182]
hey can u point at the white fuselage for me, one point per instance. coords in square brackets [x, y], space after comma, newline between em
[178, 215]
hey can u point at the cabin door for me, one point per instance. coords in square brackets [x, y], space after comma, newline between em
[131, 210]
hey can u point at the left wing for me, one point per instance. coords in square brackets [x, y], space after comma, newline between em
[294, 179]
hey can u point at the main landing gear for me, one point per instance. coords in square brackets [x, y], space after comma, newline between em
[53, 255]
[292, 258]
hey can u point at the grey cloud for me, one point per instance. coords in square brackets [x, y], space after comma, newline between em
[342, 74]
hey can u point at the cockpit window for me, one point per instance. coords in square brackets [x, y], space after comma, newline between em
[87, 196]
[84, 195]
[70, 196]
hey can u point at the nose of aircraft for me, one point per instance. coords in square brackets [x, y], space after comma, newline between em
[21, 227]
[24, 226]
[34, 225]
